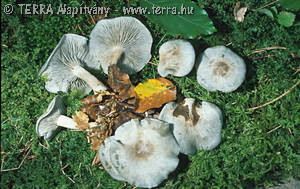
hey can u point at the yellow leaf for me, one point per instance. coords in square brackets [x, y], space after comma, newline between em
[154, 93]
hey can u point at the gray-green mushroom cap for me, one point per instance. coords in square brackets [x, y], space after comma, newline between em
[46, 125]
[196, 127]
[142, 153]
[221, 69]
[176, 57]
[65, 68]
[124, 41]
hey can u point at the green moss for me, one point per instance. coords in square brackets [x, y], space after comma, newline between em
[248, 155]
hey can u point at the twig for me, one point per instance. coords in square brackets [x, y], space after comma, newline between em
[287, 92]
[20, 140]
[90, 171]
[267, 49]
[297, 71]
[260, 57]
[63, 172]
[152, 63]
[80, 29]
[20, 165]
[265, 5]
[274, 129]
[68, 177]
[93, 20]
[43, 146]
[96, 159]
[290, 131]
[79, 170]
[65, 167]
[2, 162]
[228, 44]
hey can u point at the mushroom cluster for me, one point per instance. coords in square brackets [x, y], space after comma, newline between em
[219, 68]
[123, 41]
[142, 152]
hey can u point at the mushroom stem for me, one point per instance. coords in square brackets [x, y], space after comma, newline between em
[91, 80]
[67, 122]
[117, 52]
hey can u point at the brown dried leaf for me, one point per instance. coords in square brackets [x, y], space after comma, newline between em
[120, 83]
[124, 117]
[82, 120]
[154, 93]
[92, 111]
[96, 98]
[239, 12]
[97, 136]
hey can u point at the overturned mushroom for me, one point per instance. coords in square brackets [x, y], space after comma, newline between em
[64, 68]
[142, 153]
[124, 41]
[176, 57]
[221, 69]
[196, 127]
[50, 123]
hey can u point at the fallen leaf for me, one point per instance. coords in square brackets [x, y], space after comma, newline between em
[124, 117]
[82, 120]
[239, 12]
[92, 110]
[120, 83]
[154, 93]
[96, 98]
[97, 136]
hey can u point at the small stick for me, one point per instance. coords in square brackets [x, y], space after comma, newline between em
[297, 71]
[80, 170]
[290, 131]
[65, 167]
[63, 172]
[96, 159]
[20, 140]
[266, 5]
[288, 91]
[260, 57]
[80, 29]
[93, 20]
[20, 165]
[228, 44]
[43, 145]
[2, 162]
[90, 171]
[152, 63]
[267, 49]
[274, 129]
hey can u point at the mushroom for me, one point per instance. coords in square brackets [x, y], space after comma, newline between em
[50, 123]
[124, 41]
[221, 69]
[64, 68]
[196, 127]
[176, 57]
[142, 153]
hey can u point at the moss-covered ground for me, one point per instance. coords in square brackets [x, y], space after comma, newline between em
[252, 152]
